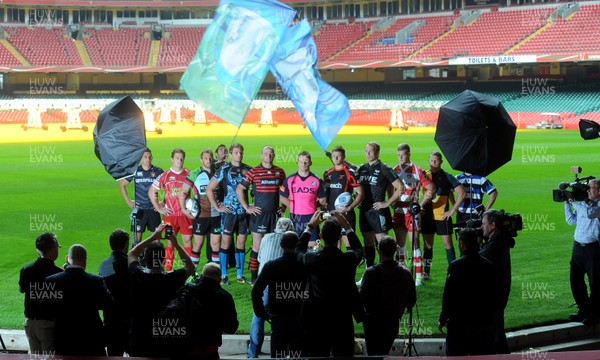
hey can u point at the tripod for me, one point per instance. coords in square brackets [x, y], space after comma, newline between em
[136, 214]
[414, 210]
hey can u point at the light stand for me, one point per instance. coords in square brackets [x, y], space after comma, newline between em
[414, 209]
[136, 214]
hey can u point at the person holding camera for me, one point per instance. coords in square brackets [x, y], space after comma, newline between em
[469, 312]
[496, 248]
[151, 290]
[143, 178]
[585, 256]
[334, 298]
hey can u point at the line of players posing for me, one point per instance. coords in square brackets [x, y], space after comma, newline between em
[224, 209]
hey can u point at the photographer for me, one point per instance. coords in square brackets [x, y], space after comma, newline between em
[496, 249]
[334, 298]
[585, 257]
[470, 312]
[151, 290]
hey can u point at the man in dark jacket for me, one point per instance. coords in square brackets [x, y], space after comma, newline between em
[117, 317]
[78, 330]
[151, 290]
[471, 300]
[285, 278]
[497, 250]
[387, 290]
[205, 311]
[39, 326]
[334, 298]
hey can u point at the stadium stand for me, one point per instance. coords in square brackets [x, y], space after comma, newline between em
[595, 116]
[580, 32]
[123, 47]
[380, 45]
[506, 28]
[333, 38]
[7, 58]
[43, 46]
[179, 45]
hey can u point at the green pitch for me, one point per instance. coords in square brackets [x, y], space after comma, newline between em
[61, 187]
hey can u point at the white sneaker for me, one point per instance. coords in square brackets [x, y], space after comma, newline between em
[359, 282]
[419, 280]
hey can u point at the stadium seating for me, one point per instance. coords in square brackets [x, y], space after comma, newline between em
[492, 34]
[13, 116]
[287, 116]
[8, 59]
[180, 46]
[123, 47]
[333, 38]
[581, 32]
[595, 116]
[43, 46]
[373, 47]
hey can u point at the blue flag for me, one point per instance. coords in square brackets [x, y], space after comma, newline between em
[323, 108]
[233, 58]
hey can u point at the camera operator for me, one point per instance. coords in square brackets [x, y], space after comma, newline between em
[496, 249]
[585, 257]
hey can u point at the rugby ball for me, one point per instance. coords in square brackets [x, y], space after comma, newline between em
[192, 206]
[343, 199]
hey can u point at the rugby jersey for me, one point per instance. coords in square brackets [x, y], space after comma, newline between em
[337, 182]
[303, 193]
[413, 178]
[375, 179]
[474, 185]
[265, 183]
[229, 176]
[171, 182]
[142, 180]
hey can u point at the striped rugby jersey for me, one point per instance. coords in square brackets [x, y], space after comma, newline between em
[266, 183]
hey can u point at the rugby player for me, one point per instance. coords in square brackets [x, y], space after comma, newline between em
[208, 219]
[302, 192]
[265, 179]
[339, 179]
[171, 182]
[234, 218]
[143, 178]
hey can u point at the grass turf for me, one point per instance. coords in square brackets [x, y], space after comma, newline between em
[59, 186]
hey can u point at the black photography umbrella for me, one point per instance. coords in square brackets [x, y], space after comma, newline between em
[589, 129]
[475, 133]
[120, 137]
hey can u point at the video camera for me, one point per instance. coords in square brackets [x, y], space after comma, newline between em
[579, 187]
[511, 224]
